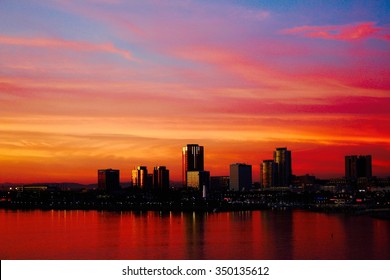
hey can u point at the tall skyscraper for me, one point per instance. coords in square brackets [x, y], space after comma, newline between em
[160, 178]
[364, 166]
[198, 179]
[351, 167]
[268, 173]
[240, 177]
[139, 177]
[358, 166]
[108, 180]
[192, 160]
[282, 158]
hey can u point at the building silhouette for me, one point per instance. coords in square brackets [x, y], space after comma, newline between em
[268, 173]
[139, 177]
[282, 157]
[108, 180]
[358, 166]
[192, 160]
[198, 180]
[219, 183]
[160, 178]
[240, 177]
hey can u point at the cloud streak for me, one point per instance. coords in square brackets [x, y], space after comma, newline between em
[349, 32]
[52, 43]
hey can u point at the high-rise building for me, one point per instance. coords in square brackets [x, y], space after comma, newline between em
[282, 157]
[358, 166]
[240, 177]
[198, 179]
[108, 180]
[139, 177]
[192, 160]
[160, 178]
[149, 181]
[364, 166]
[219, 183]
[351, 166]
[268, 173]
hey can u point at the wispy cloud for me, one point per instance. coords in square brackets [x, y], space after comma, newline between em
[349, 32]
[65, 44]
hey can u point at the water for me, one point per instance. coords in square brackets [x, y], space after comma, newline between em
[153, 235]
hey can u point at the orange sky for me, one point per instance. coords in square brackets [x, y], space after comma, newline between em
[121, 84]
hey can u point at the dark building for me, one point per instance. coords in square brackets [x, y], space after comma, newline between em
[358, 166]
[268, 173]
[108, 180]
[240, 177]
[219, 183]
[306, 181]
[160, 178]
[364, 166]
[282, 158]
[192, 160]
[198, 180]
[139, 177]
[149, 181]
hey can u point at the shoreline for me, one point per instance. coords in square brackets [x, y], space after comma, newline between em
[202, 207]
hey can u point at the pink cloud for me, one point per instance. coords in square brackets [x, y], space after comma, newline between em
[234, 64]
[364, 73]
[350, 105]
[65, 44]
[294, 73]
[347, 32]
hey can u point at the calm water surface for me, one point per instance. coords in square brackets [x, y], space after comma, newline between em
[153, 235]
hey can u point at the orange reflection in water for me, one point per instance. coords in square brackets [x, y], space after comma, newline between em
[154, 235]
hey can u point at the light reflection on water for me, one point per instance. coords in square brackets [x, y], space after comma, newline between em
[157, 235]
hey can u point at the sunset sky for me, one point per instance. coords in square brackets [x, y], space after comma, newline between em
[94, 84]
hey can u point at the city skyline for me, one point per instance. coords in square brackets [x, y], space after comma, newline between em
[272, 173]
[140, 177]
[94, 84]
